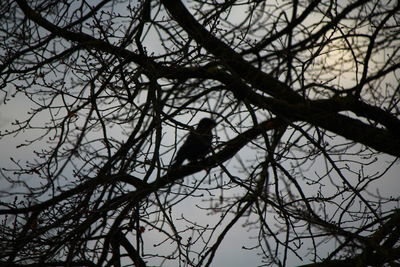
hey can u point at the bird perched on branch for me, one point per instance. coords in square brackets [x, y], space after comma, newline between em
[197, 144]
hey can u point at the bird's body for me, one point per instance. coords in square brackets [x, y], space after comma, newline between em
[197, 144]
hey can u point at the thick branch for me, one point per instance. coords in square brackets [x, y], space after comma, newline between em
[144, 189]
[289, 104]
[379, 139]
[82, 38]
[227, 55]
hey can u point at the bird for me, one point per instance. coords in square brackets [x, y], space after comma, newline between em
[197, 144]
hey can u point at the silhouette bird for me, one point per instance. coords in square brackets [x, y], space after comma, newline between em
[197, 144]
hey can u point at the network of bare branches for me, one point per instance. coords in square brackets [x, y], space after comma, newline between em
[305, 96]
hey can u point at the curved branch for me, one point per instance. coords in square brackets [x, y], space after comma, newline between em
[288, 103]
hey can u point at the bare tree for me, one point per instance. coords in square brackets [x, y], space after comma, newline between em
[306, 99]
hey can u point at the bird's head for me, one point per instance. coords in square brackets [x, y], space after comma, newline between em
[206, 124]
